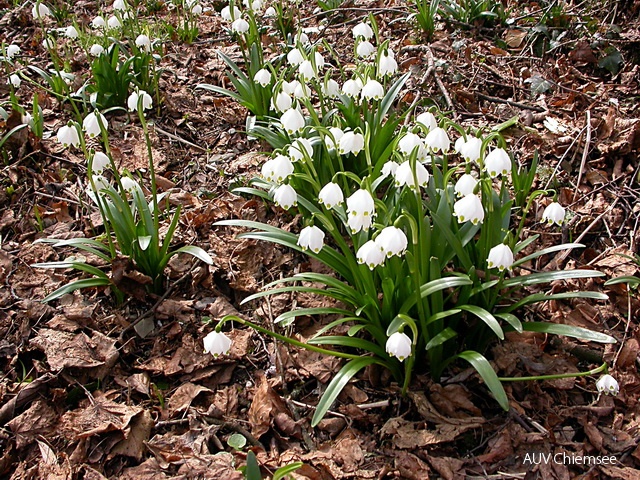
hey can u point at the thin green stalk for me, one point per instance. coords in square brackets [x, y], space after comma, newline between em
[602, 368]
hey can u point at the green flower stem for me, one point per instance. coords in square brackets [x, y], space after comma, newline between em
[152, 170]
[283, 338]
[601, 369]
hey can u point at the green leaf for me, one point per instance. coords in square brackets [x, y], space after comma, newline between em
[546, 277]
[337, 384]
[512, 320]
[237, 441]
[252, 471]
[631, 280]
[300, 312]
[488, 374]
[353, 342]
[555, 248]
[436, 286]
[542, 297]
[486, 317]
[446, 334]
[282, 472]
[568, 331]
[77, 285]
[197, 252]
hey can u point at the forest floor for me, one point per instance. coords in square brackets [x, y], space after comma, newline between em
[84, 395]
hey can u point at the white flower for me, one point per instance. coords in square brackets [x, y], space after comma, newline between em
[281, 102]
[465, 185]
[306, 70]
[362, 30]
[240, 26]
[437, 139]
[365, 49]
[254, 5]
[361, 210]
[387, 65]
[12, 51]
[500, 257]
[372, 90]
[331, 195]
[392, 241]
[270, 12]
[277, 169]
[319, 59]
[389, 168]
[554, 213]
[113, 22]
[49, 43]
[292, 121]
[332, 143]
[303, 38]
[409, 142]
[312, 238]
[71, 32]
[134, 98]
[404, 175]
[302, 90]
[217, 343]
[120, 5]
[129, 184]
[295, 57]
[68, 135]
[27, 119]
[14, 80]
[470, 149]
[428, 120]
[351, 142]
[399, 346]
[230, 15]
[40, 10]
[469, 209]
[263, 77]
[497, 162]
[91, 124]
[299, 148]
[330, 88]
[370, 254]
[285, 196]
[98, 22]
[101, 183]
[96, 50]
[608, 385]
[100, 162]
[352, 87]
[143, 42]
[289, 87]
[196, 9]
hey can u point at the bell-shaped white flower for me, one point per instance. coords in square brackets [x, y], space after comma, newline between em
[292, 121]
[351, 142]
[113, 22]
[68, 135]
[240, 26]
[100, 162]
[300, 148]
[438, 140]
[98, 22]
[465, 185]
[469, 209]
[331, 195]
[254, 5]
[352, 87]
[101, 183]
[392, 241]
[14, 80]
[399, 345]
[370, 254]
[428, 120]
[319, 60]
[553, 213]
[282, 101]
[230, 15]
[270, 13]
[365, 49]
[285, 196]
[40, 10]
[120, 5]
[361, 210]
[91, 124]
[330, 88]
[12, 51]
[134, 99]
[362, 30]
[96, 50]
[49, 43]
[301, 91]
[143, 42]
[387, 65]
[372, 90]
[263, 77]
[295, 57]
[500, 257]
[71, 32]
[389, 168]
[333, 140]
[608, 385]
[216, 343]
[312, 238]
[404, 175]
[411, 141]
[497, 162]
[129, 184]
[470, 149]
[196, 9]
[277, 169]
[306, 70]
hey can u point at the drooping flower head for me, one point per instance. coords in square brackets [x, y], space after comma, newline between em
[311, 238]
[370, 255]
[469, 209]
[217, 343]
[497, 162]
[608, 385]
[500, 257]
[361, 210]
[398, 345]
[277, 169]
[554, 213]
[285, 196]
[331, 195]
[392, 241]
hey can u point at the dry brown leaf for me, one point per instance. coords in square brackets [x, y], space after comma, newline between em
[410, 435]
[264, 406]
[135, 440]
[452, 400]
[148, 470]
[39, 419]
[410, 466]
[96, 418]
[183, 397]
[219, 466]
[514, 38]
[449, 468]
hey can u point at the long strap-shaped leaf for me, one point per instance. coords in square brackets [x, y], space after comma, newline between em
[488, 374]
[568, 331]
[486, 317]
[435, 286]
[541, 297]
[545, 277]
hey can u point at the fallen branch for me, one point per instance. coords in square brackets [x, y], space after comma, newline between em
[489, 98]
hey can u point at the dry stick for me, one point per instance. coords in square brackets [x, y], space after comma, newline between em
[445, 93]
[489, 98]
[566, 152]
[23, 397]
[178, 139]
[585, 152]
[417, 97]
